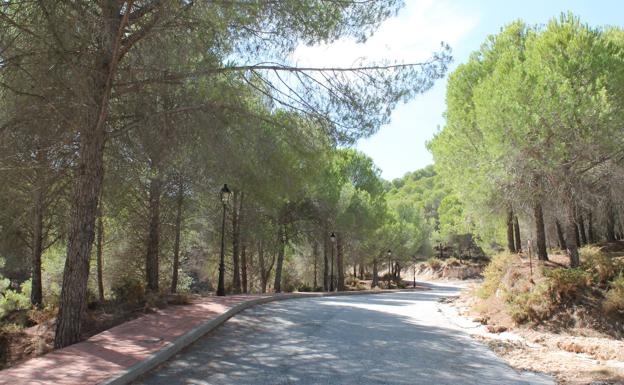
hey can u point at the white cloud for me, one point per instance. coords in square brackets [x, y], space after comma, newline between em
[409, 37]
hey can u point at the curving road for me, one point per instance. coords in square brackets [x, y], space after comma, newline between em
[398, 338]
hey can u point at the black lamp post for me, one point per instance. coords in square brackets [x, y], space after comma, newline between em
[225, 198]
[332, 238]
[389, 267]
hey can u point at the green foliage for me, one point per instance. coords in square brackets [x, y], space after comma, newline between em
[11, 300]
[494, 273]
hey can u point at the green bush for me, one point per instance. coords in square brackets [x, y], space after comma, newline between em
[614, 301]
[567, 283]
[494, 273]
[11, 300]
[434, 263]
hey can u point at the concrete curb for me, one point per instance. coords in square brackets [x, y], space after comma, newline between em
[193, 335]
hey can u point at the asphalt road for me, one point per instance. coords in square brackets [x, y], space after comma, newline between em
[398, 338]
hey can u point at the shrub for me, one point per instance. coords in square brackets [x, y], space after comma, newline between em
[304, 289]
[129, 290]
[532, 305]
[12, 300]
[614, 301]
[598, 263]
[452, 262]
[352, 281]
[567, 283]
[494, 273]
[434, 263]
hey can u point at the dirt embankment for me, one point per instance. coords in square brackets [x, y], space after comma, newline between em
[566, 322]
[449, 269]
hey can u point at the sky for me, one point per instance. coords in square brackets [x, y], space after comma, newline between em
[411, 36]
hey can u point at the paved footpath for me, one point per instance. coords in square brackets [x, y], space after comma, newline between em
[114, 351]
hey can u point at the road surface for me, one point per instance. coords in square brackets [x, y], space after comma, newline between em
[398, 338]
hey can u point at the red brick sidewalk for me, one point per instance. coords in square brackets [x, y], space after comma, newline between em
[110, 353]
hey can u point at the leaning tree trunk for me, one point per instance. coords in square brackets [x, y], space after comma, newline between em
[153, 238]
[36, 294]
[517, 239]
[510, 231]
[560, 237]
[281, 239]
[236, 279]
[88, 177]
[540, 232]
[99, 248]
[88, 183]
[340, 262]
[178, 231]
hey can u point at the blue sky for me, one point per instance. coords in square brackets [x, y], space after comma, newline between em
[417, 30]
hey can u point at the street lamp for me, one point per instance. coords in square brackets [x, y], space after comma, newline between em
[332, 238]
[389, 267]
[225, 198]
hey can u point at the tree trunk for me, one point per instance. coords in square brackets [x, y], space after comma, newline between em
[36, 294]
[325, 263]
[540, 232]
[361, 271]
[178, 231]
[244, 268]
[153, 239]
[315, 256]
[99, 248]
[560, 237]
[590, 227]
[397, 272]
[577, 233]
[264, 274]
[281, 239]
[581, 223]
[340, 263]
[610, 215]
[88, 181]
[375, 282]
[517, 239]
[571, 232]
[354, 270]
[236, 279]
[510, 231]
